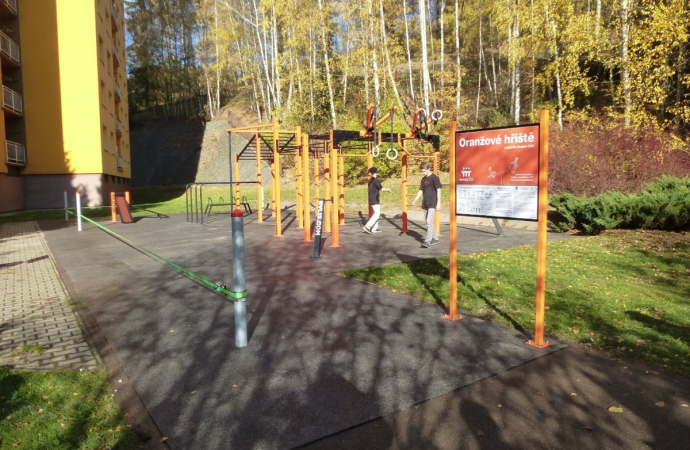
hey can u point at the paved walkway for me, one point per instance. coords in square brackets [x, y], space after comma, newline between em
[38, 329]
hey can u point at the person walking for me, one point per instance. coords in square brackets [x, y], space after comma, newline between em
[430, 191]
[375, 188]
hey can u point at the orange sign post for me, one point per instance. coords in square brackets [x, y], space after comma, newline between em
[453, 264]
[541, 231]
[502, 173]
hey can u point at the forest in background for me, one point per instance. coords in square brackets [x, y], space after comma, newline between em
[614, 73]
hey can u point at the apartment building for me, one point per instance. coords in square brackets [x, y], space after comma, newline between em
[65, 116]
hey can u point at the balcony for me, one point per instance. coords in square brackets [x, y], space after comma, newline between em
[16, 154]
[118, 126]
[117, 90]
[9, 49]
[8, 7]
[120, 163]
[116, 56]
[114, 16]
[11, 101]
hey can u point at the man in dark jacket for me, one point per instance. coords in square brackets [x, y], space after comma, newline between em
[430, 191]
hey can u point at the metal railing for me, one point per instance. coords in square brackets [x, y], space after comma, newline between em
[16, 153]
[120, 163]
[9, 47]
[12, 4]
[118, 125]
[11, 100]
[116, 54]
[116, 89]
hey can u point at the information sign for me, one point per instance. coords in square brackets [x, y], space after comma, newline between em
[497, 172]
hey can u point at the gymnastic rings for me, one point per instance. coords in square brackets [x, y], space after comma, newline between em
[392, 151]
[437, 115]
[376, 151]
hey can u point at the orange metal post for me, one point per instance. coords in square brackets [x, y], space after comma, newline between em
[259, 187]
[276, 158]
[127, 199]
[403, 160]
[341, 187]
[113, 208]
[307, 197]
[453, 300]
[335, 236]
[541, 230]
[327, 191]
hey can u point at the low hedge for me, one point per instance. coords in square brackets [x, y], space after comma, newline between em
[664, 204]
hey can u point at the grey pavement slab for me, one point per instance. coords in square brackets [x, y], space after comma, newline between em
[34, 309]
[325, 352]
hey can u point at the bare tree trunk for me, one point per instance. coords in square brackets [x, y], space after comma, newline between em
[426, 82]
[554, 36]
[458, 87]
[516, 42]
[215, 13]
[324, 16]
[407, 45]
[347, 70]
[534, 61]
[625, 69]
[276, 56]
[372, 47]
[493, 63]
[388, 58]
[479, 74]
[312, 72]
[598, 20]
[443, 8]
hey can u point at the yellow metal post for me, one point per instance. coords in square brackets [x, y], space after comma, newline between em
[276, 159]
[259, 187]
[237, 180]
[341, 187]
[335, 236]
[298, 179]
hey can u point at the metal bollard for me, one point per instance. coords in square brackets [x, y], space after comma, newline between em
[66, 205]
[318, 229]
[78, 212]
[239, 285]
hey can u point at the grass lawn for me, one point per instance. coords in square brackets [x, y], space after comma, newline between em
[61, 410]
[626, 292]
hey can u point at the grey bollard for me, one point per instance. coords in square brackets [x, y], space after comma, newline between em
[238, 280]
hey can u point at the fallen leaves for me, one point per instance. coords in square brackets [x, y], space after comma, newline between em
[660, 404]
[615, 409]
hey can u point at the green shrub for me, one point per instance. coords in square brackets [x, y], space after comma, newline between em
[664, 204]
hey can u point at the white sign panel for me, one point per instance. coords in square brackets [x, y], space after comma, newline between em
[500, 202]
